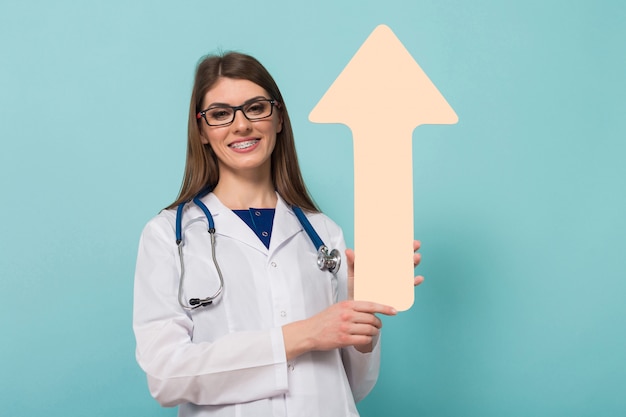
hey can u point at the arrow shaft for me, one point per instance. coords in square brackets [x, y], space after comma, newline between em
[383, 199]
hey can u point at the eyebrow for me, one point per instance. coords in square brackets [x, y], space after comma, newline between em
[243, 104]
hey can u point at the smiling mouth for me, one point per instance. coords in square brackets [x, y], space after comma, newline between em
[244, 145]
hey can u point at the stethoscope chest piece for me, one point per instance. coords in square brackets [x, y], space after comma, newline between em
[330, 261]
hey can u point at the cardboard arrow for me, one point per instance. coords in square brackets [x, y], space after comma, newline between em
[382, 96]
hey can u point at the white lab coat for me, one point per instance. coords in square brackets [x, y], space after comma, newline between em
[228, 359]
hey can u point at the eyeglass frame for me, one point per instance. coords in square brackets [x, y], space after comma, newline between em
[273, 102]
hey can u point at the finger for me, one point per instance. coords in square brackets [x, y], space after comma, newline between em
[417, 258]
[416, 245]
[367, 319]
[350, 260]
[357, 340]
[418, 280]
[364, 330]
[370, 307]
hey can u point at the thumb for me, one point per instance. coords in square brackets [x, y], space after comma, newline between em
[350, 262]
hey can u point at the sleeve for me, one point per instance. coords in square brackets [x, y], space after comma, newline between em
[361, 368]
[237, 367]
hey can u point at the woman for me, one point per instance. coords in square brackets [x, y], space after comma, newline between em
[283, 338]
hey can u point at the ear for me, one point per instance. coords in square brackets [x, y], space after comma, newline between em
[279, 127]
[203, 136]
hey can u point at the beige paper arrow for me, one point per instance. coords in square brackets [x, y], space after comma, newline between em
[382, 96]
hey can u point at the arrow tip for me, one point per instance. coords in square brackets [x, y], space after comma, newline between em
[383, 77]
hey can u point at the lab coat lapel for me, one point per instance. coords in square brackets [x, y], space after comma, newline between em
[286, 225]
[229, 224]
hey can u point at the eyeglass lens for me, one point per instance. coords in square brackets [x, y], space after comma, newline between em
[222, 115]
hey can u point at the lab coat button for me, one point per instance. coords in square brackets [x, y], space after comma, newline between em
[273, 264]
[283, 313]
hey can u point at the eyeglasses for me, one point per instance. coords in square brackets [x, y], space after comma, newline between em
[222, 115]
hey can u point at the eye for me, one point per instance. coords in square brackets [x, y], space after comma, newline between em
[219, 113]
[257, 108]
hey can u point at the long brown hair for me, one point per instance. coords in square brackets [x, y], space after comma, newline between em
[201, 168]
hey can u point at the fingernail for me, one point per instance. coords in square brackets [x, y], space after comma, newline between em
[393, 311]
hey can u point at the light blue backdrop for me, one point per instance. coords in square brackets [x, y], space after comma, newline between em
[520, 206]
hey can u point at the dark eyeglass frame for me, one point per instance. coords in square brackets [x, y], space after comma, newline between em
[202, 114]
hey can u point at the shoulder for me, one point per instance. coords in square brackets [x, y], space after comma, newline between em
[324, 224]
[162, 225]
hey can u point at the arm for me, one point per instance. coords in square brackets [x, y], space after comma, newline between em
[349, 325]
[361, 365]
[234, 368]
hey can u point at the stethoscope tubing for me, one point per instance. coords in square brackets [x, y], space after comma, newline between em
[326, 260]
[330, 260]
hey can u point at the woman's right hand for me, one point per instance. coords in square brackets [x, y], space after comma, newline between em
[347, 323]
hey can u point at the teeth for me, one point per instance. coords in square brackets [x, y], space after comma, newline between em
[244, 145]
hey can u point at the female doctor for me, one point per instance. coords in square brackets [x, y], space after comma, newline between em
[275, 335]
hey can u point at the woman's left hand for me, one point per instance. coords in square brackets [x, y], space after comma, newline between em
[417, 257]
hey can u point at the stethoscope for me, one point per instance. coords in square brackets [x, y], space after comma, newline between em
[326, 260]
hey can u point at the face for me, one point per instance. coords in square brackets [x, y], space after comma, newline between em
[243, 145]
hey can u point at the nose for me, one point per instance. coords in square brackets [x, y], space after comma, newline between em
[240, 121]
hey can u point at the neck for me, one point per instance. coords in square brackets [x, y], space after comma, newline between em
[241, 191]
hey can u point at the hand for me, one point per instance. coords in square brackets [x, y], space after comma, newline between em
[417, 258]
[347, 323]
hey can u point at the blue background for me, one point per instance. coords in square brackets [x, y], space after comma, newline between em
[520, 206]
